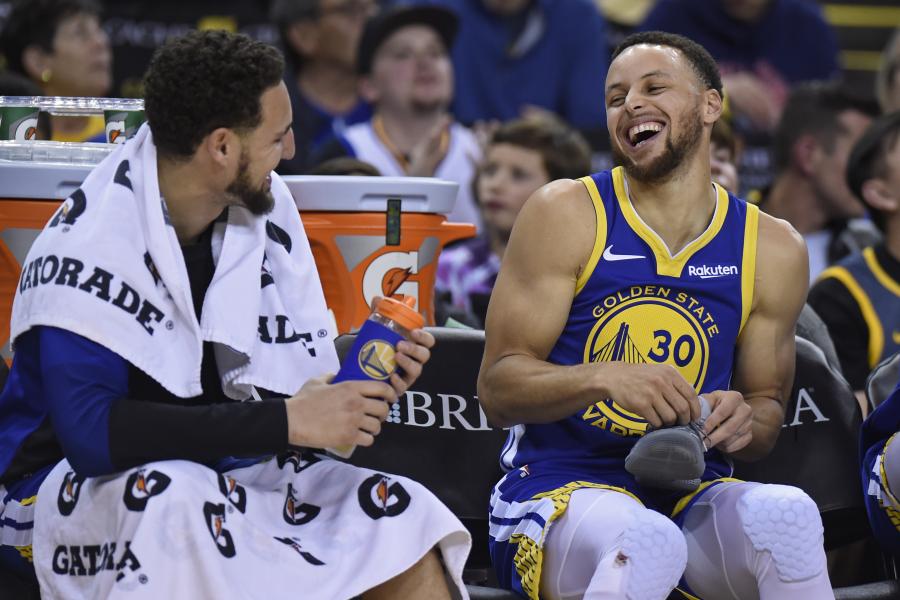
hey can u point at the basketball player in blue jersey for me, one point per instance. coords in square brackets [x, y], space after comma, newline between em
[880, 453]
[621, 298]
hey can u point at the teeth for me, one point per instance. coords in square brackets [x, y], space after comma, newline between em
[651, 126]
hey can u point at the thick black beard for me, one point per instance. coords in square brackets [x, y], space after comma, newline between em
[660, 169]
[258, 201]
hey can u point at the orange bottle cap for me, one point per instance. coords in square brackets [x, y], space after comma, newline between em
[403, 312]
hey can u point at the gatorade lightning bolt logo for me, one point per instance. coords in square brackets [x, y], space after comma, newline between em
[115, 131]
[140, 487]
[391, 273]
[381, 496]
[214, 514]
[393, 279]
[69, 492]
[235, 492]
[23, 129]
[296, 512]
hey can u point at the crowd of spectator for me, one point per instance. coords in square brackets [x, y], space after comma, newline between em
[504, 96]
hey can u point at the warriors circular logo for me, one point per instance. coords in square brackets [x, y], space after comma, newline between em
[376, 359]
[644, 330]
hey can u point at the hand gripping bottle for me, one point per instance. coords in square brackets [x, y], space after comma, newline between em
[373, 351]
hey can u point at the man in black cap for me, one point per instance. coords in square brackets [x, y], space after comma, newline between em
[406, 74]
[859, 297]
[319, 38]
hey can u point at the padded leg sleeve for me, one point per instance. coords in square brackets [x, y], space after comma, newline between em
[606, 545]
[748, 541]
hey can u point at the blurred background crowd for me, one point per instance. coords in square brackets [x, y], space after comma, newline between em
[503, 96]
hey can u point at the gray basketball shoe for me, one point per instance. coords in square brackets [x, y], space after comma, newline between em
[671, 458]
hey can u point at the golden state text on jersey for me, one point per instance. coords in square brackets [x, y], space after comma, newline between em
[637, 303]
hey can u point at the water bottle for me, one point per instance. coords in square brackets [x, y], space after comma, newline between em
[372, 355]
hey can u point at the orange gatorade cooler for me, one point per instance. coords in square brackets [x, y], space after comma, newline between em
[376, 236]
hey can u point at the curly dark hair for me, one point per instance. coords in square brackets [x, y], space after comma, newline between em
[205, 80]
[701, 61]
[34, 23]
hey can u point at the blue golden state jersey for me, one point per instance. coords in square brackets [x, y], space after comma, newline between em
[637, 303]
[878, 296]
[882, 505]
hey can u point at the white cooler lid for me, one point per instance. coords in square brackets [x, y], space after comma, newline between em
[46, 170]
[360, 193]
[40, 182]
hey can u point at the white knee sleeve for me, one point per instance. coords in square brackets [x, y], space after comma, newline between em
[656, 549]
[785, 522]
[607, 546]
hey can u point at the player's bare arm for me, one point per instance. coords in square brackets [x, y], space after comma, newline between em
[549, 247]
[765, 356]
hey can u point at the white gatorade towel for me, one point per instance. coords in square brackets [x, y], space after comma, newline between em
[300, 525]
[108, 266]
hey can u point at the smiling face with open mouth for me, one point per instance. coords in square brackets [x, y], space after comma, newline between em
[653, 111]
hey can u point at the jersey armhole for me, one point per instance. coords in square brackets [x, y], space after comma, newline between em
[599, 238]
[748, 263]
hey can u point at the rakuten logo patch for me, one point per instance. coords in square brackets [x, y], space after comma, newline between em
[711, 272]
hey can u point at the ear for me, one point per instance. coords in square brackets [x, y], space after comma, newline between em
[368, 90]
[804, 154]
[879, 196]
[713, 107]
[303, 37]
[221, 148]
[35, 60]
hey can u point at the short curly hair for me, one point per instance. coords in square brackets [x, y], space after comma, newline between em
[205, 80]
[701, 61]
[34, 23]
[564, 152]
